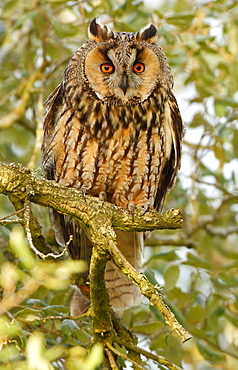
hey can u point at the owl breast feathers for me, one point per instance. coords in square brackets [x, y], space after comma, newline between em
[113, 129]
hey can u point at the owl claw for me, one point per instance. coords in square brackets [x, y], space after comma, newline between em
[147, 207]
[102, 197]
[84, 194]
[131, 207]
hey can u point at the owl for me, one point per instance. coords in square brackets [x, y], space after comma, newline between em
[112, 128]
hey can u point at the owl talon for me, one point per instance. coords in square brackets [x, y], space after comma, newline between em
[84, 194]
[102, 197]
[147, 207]
[131, 207]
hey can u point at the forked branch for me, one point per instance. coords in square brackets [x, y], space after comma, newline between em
[22, 186]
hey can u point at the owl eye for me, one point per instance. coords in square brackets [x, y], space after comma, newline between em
[107, 68]
[138, 67]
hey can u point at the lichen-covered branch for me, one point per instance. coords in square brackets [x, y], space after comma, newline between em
[148, 290]
[102, 326]
[21, 183]
[22, 187]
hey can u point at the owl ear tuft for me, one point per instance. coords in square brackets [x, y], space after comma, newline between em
[147, 33]
[99, 32]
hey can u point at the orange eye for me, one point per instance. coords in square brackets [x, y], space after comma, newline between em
[138, 67]
[107, 68]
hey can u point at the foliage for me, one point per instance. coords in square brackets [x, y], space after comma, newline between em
[197, 266]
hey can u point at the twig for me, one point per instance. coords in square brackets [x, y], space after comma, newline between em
[27, 216]
[12, 221]
[148, 290]
[111, 359]
[43, 319]
[12, 214]
[159, 359]
[125, 357]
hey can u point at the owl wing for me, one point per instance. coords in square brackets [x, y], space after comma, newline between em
[175, 129]
[80, 247]
[55, 99]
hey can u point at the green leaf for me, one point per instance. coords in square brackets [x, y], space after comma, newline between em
[165, 256]
[149, 328]
[182, 20]
[209, 353]
[159, 343]
[197, 121]
[171, 276]
[9, 6]
[29, 314]
[8, 328]
[219, 152]
[196, 261]
[69, 327]
[55, 310]
[82, 336]
[95, 358]
[196, 315]
[220, 109]
[151, 276]
[235, 143]
[36, 302]
[174, 352]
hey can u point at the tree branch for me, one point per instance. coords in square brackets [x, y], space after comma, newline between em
[22, 186]
[21, 183]
[148, 290]
[159, 359]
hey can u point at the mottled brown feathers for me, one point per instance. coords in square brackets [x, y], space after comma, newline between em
[118, 134]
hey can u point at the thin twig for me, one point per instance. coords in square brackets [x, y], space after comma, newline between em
[12, 214]
[148, 290]
[12, 221]
[111, 359]
[27, 215]
[159, 359]
[44, 319]
[125, 357]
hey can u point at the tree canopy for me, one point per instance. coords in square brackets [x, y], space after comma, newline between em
[195, 268]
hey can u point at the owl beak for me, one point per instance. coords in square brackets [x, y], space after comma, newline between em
[124, 83]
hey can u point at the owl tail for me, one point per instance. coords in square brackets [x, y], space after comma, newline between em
[122, 292]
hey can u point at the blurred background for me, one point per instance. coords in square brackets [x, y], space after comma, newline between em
[196, 267]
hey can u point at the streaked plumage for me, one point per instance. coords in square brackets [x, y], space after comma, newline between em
[113, 129]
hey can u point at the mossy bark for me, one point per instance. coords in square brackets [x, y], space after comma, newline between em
[22, 186]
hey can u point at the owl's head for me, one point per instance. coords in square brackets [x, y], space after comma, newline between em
[124, 67]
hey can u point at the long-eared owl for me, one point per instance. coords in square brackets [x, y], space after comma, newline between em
[113, 129]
